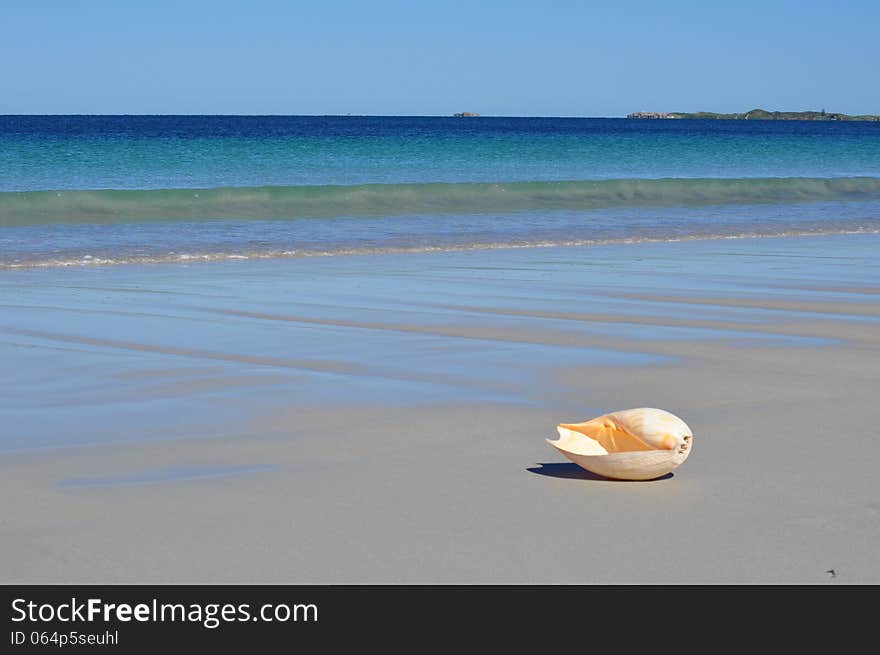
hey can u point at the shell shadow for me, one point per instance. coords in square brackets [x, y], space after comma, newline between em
[571, 471]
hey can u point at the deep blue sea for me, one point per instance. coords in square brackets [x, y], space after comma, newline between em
[88, 190]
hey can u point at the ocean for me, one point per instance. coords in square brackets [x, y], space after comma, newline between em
[105, 190]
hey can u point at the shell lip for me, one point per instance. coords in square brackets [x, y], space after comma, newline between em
[618, 453]
[556, 444]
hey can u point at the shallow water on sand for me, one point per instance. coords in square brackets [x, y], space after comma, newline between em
[177, 351]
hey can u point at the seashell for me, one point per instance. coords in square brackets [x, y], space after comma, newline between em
[631, 444]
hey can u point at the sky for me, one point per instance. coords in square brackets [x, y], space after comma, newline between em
[382, 57]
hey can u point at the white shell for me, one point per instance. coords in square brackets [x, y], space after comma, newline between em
[632, 444]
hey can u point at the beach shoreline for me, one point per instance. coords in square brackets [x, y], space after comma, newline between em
[381, 419]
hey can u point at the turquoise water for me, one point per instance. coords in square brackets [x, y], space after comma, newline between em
[87, 190]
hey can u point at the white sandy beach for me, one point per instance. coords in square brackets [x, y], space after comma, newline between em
[382, 419]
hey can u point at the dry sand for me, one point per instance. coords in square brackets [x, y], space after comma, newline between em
[359, 421]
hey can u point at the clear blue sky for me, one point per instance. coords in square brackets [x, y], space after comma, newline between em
[495, 57]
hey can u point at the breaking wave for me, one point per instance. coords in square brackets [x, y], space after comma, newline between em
[22, 208]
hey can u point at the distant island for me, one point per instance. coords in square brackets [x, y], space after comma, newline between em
[759, 115]
[465, 114]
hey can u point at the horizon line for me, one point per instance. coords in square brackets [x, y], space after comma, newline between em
[353, 115]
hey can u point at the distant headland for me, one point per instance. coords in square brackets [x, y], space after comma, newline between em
[465, 114]
[759, 115]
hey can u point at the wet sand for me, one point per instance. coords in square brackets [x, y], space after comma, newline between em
[383, 419]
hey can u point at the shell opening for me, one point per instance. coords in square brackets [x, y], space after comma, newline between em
[609, 435]
[575, 442]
